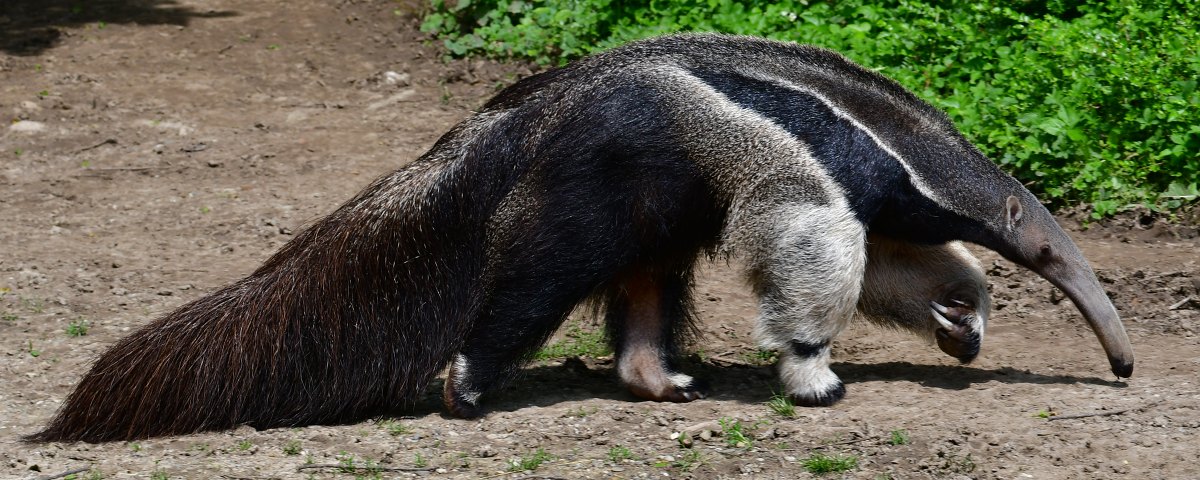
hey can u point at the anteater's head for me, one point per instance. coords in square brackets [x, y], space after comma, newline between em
[1027, 234]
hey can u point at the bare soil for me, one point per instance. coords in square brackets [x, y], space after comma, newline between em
[159, 149]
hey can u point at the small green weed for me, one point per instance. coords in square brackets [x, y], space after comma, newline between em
[530, 462]
[135, 447]
[761, 357]
[820, 463]
[619, 453]
[782, 405]
[18, 152]
[244, 445]
[9, 317]
[292, 448]
[1043, 414]
[77, 328]
[579, 343]
[395, 428]
[732, 431]
[689, 461]
[898, 437]
[420, 461]
[33, 352]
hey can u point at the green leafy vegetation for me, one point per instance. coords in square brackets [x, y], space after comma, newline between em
[77, 328]
[529, 462]
[395, 428]
[292, 448]
[619, 453]
[820, 463]
[782, 405]
[1092, 102]
[898, 437]
[734, 433]
[578, 343]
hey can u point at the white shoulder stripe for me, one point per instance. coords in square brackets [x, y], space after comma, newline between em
[916, 178]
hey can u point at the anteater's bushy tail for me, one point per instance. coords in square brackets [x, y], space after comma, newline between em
[350, 319]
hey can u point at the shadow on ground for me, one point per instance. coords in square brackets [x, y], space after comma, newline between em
[30, 27]
[549, 385]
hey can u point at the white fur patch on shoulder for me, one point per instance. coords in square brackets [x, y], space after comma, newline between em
[916, 178]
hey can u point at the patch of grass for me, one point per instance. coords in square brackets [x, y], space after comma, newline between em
[689, 461]
[619, 453]
[579, 343]
[734, 434]
[9, 317]
[820, 463]
[420, 461]
[77, 328]
[395, 428]
[33, 352]
[1043, 414]
[245, 445]
[530, 462]
[292, 448]
[135, 447]
[761, 357]
[898, 437]
[18, 152]
[782, 405]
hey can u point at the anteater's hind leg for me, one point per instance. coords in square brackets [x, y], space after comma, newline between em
[523, 312]
[646, 311]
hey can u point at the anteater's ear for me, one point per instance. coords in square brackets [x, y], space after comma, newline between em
[1012, 211]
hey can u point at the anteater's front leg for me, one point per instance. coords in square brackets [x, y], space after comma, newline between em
[808, 272]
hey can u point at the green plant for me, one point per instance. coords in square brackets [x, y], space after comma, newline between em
[898, 437]
[9, 317]
[77, 328]
[135, 447]
[578, 343]
[619, 453]
[529, 462]
[395, 428]
[1043, 414]
[820, 463]
[292, 448]
[689, 461]
[732, 431]
[245, 445]
[1091, 102]
[32, 351]
[419, 460]
[782, 405]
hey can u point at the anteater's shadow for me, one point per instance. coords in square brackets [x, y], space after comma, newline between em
[573, 380]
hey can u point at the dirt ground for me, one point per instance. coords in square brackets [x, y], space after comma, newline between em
[158, 149]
